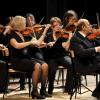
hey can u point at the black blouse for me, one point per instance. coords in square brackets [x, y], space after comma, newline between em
[17, 53]
[57, 50]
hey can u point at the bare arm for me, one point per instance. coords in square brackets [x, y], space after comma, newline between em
[18, 45]
[40, 40]
[67, 43]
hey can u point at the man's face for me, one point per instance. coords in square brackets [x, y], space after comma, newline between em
[72, 20]
[87, 27]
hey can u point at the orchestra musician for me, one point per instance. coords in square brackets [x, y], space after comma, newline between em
[3, 68]
[4, 53]
[87, 54]
[36, 52]
[70, 19]
[4, 40]
[56, 53]
[23, 62]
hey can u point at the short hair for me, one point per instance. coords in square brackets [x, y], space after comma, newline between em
[55, 19]
[81, 23]
[18, 23]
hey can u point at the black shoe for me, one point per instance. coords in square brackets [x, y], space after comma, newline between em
[44, 93]
[68, 91]
[96, 94]
[22, 88]
[49, 92]
[36, 95]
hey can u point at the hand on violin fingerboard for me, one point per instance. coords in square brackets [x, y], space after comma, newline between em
[47, 27]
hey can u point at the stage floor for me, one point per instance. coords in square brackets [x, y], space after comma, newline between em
[57, 95]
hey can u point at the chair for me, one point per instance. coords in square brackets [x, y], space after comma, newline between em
[16, 74]
[77, 79]
[61, 72]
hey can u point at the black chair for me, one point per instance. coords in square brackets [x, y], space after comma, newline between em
[16, 74]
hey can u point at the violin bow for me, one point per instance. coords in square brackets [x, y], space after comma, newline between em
[98, 21]
[41, 20]
[39, 23]
[79, 18]
[82, 15]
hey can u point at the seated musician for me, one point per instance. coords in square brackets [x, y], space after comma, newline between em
[3, 68]
[87, 54]
[70, 19]
[36, 52]
[22, 61]
[56, 54]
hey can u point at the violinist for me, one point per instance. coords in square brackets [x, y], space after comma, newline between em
[56, 55]
[87, 54]
[70, 19]
[36, 52]
[3, 68]
[23, 62]
[4, 53]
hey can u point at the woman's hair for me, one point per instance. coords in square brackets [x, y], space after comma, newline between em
[18, 23]
[29, 14]
[68, 15]
[55, 19]
[32, 17]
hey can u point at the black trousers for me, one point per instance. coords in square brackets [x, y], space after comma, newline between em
[3, 76]
[53, 66]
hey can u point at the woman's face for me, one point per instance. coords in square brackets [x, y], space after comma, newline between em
[31, 21]
[56, 26]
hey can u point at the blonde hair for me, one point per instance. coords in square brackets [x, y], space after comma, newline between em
[55, 19]
[18, 23]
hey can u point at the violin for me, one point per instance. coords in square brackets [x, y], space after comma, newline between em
[37, 28]
[62, 33]
[70, 28]
[1, 28]
[27, 31]
[96, 32]
[94, 35]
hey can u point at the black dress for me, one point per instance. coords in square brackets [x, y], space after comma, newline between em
[35, 52]
[19, 58]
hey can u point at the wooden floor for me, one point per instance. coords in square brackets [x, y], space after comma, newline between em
[57, 95]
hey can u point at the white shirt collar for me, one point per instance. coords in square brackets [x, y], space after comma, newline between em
[82, 34]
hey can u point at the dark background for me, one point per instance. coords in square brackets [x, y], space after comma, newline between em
[49, 8]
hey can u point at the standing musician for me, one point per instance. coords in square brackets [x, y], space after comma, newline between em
[56, 53]
[22, 61]
[87, 54]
